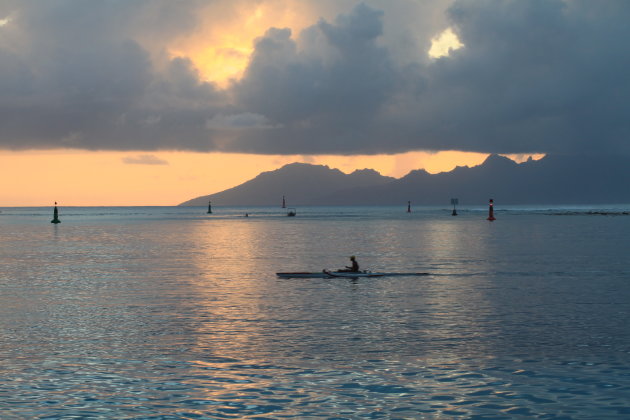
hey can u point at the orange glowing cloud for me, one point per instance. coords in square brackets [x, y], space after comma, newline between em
[221, 47]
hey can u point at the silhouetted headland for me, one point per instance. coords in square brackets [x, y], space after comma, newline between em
[550, 180]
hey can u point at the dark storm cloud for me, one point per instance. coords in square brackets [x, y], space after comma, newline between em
[548, 76]
[534, 76]
[74, 74]
[324, 94]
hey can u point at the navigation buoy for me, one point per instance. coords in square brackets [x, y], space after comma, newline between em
[454, 202]
[284, 204]
[491, 210]
[209, 207]
[408, 206]
[55, 219]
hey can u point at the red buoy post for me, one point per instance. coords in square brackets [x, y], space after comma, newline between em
[491, 210]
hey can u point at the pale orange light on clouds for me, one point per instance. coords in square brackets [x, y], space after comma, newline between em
[220, 49]
[444, 43]
[79, 178]
[221, 46]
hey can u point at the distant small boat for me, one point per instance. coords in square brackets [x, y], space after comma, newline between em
[291, 212]
[326, 274]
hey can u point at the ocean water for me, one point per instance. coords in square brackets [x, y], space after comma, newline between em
[171, 313]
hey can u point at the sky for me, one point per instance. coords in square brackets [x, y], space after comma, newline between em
[154, 102]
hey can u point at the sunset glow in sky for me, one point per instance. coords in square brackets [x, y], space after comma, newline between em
[79, 178]
[154, 102]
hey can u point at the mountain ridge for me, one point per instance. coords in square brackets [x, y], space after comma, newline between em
[554, 179]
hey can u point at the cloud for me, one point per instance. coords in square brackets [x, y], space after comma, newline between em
[444, 43]
[246, 120]
[542, 76]
[67, 67]
[324, 94]
[144, 160]
[536, 76]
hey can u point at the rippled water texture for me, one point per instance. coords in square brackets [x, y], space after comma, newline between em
[173, 313]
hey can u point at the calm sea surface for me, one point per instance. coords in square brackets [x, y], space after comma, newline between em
[169, 313]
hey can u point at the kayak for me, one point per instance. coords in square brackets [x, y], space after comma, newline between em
[353, 274]
[325, 274]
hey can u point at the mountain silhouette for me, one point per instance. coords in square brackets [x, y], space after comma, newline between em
[551, 180]
[300, 183]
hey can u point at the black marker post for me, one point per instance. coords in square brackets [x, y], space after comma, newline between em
[55, 219]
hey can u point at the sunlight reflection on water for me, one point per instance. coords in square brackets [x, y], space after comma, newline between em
[184, 317]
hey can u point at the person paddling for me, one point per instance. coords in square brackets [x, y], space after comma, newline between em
[352, 269]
